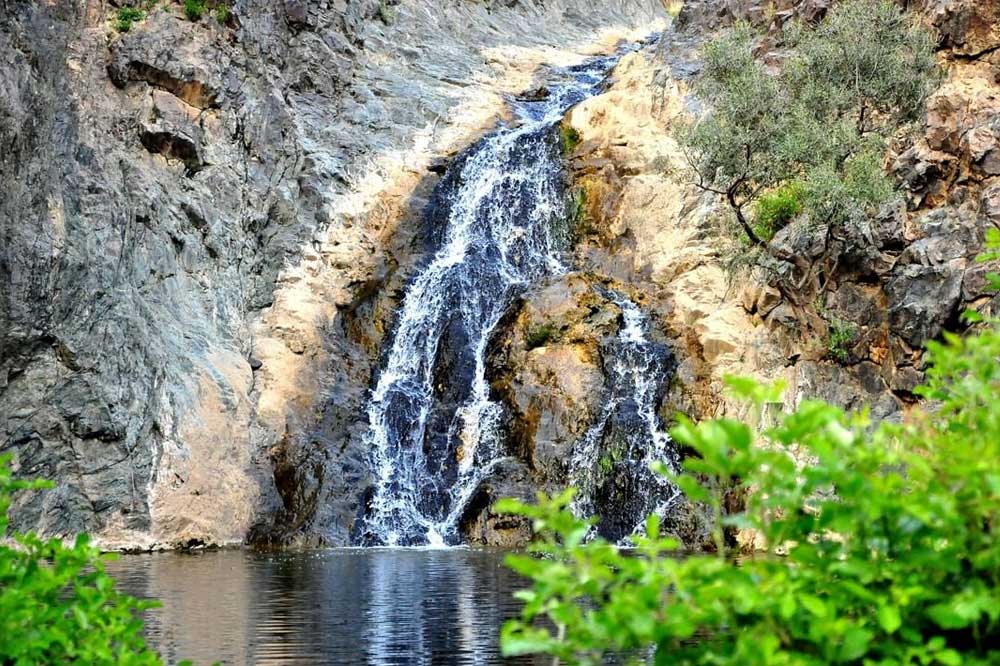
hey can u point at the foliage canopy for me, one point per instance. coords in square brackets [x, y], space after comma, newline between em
[822, 119]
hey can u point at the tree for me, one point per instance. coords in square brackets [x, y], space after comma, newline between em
[732, 148]
[847, 85]
[57, 604]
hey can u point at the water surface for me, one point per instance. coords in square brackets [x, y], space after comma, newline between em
[354, 606]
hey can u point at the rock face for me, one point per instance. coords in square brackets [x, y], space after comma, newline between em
[582, 386]
[203, 234]
[837, 314]
[206, 229]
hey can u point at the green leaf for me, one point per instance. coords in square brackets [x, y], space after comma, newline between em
[889, 618]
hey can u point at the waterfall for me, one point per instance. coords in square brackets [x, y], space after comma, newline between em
[610, 464]
[433, 432]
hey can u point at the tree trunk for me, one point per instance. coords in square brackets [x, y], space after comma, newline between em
[738, 209]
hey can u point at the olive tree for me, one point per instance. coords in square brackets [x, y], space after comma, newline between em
[731, 149]
[822, 119]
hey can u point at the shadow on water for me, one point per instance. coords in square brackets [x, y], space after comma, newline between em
[356, 606]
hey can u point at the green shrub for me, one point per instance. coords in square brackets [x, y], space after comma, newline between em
[222, 14]
[57, 604]
[126, 17]
[539, 336]
[776, 209]
[881, 548]
[195, 9]
[840, 337]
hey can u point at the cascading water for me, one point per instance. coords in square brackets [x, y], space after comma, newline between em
[610, 464]
[434, 434]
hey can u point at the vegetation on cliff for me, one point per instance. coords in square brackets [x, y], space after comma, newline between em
[882, 549]
[821, 122]
[57, 604]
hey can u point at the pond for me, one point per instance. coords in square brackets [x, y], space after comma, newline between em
[346, 607]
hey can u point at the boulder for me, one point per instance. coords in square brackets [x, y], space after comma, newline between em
[545, 361]
[922, 298]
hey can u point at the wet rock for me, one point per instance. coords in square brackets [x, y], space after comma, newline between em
[481, 525]
[545, 363]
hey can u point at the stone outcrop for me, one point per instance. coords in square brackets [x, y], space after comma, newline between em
[203, 233]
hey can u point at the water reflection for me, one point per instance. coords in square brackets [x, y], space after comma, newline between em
[377, 606]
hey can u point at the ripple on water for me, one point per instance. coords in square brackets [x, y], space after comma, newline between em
[354, 606]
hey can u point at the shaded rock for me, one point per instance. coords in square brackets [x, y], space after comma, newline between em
[171, 129]
[167, 52]
[922, 298]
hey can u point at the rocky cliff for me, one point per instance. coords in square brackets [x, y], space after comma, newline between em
[204, 229]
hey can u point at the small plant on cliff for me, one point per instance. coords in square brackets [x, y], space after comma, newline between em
[57, 604]
[882, 549]
[822, 120]
[539, 336]
[576, 211]
[569, 138]
[386, 13]
[195, 9]
[126, 17]
[841, 335]
[776, 209]
[222, 13]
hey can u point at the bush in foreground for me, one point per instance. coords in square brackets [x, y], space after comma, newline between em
[882, 547]
[57, 604]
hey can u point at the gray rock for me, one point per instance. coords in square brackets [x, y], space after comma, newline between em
[922, 298]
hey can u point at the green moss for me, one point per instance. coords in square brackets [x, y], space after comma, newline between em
[569, 138]
[386, 14]
[539, 336]
[126, 16]
[576, 212]
[195, 9]
[606, 464]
